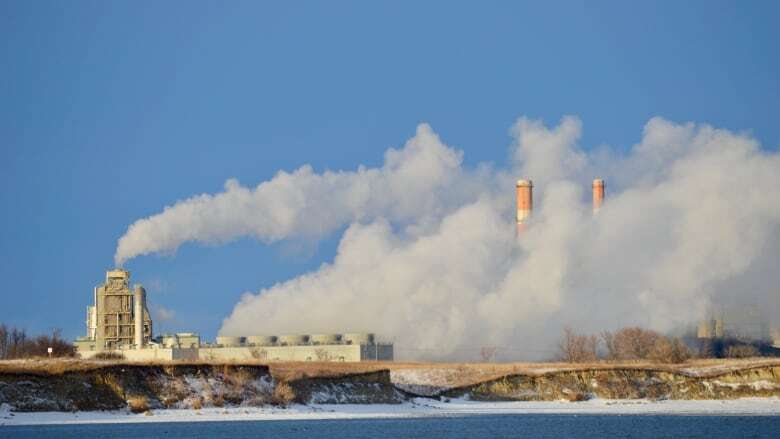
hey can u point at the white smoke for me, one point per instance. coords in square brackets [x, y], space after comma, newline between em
[414, 186]
[430, 259]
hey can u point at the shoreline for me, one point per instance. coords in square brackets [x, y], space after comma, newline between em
[417, 408]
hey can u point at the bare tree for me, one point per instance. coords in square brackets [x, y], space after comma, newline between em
[488, 353]
[577, 348]
[322, 354]
[14, 343]
[707, 349]
[609, 343]
[742, 351]
[668, 350]
[3, 342]
[634, 343]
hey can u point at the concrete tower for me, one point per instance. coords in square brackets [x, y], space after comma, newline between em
[525, 203]
[706, 329]
[116, 313]
[598, 195]
[139, 305]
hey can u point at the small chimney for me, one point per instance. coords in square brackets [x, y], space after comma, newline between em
[525, 203]
[598, 195]
[138, 315]
[719, 330]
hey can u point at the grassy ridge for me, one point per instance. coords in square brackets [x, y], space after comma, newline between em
[458, 373]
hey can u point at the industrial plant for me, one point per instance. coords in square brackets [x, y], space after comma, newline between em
[726, 324]
[118, 322]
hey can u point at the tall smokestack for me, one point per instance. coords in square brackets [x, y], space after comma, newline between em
[525, 203]
[719, 330]
[598, 194]
[138, 314]
[706, 329]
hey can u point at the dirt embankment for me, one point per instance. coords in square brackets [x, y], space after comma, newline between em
[139, 386]
[619, 383]
[83, 385]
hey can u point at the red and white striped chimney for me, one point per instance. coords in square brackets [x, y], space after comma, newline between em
[525, 203]
[598, 195]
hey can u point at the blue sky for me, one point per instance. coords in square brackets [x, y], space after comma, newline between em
[111, 110]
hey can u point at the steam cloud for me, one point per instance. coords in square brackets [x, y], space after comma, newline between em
[430, 259]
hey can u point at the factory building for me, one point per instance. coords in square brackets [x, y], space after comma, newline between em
[119, 322]
[738, 322]
[118, 316]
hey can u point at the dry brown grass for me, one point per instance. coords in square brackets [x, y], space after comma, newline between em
[576, 396]
[283, 395]
[138, 404]
[463, 373]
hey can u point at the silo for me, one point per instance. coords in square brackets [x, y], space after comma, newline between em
[230, 341]
[293, 340]
[320, 339]
[261, 340]
[361, 338]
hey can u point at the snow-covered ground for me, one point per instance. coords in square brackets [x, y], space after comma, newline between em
[416, 408]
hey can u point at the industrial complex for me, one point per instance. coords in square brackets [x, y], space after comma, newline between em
[742, 323]
[119, 322]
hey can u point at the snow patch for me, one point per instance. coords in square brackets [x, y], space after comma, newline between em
[418, 407]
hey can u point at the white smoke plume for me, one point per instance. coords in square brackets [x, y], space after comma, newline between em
[430, 259]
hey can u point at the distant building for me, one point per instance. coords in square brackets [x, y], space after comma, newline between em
[741, 322]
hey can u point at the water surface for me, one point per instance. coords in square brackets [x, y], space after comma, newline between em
[493, 426]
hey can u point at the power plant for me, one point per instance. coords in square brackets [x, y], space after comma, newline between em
[524, 194]
[737, 322]
[118, 316]
[118, 322]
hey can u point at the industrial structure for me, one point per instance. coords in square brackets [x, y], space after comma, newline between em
[743, 323]
[119, 322]
[118, 316]
[524, 195]
[598, 195]
[738, 322]
[525, 203]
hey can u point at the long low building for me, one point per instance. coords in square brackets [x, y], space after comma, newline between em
[209, 352]
[188, 346]
[118, 322]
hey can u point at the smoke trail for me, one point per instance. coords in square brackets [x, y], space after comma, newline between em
[429, 257]
[303, 203]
